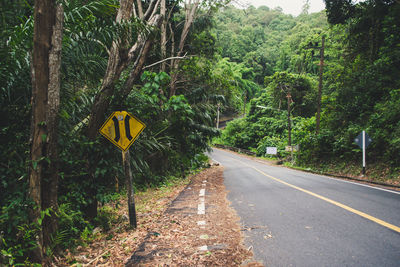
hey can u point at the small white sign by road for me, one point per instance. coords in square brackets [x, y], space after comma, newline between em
[272, 150]
[294, 148]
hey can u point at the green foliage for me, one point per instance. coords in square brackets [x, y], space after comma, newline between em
[263, 125]
[384, 128]
[71, 223]
[266, 40]
[271, 141]
[301, 89]
[234, 81]
[89, 29]
[87, 235]
[360, 83]
[366, 81]
[15, 251]
[339, 11]
[178, 129]
[233, 134]
[105, 217]
[236, 52]
[15, 44]
[16, 233]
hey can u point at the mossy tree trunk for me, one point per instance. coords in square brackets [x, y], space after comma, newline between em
[43, 175]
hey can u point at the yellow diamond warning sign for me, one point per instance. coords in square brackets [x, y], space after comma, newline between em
[122, 129]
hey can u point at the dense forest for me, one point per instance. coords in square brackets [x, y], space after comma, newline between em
[359, 85]
[67, 65]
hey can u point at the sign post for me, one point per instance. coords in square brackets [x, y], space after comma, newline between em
[129, 187]
[363, 141]
[122, 129]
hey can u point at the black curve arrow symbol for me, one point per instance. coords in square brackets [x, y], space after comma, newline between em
[127, 128]
[116, 127]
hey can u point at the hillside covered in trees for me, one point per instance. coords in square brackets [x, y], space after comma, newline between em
[359, 85]
[67, 65]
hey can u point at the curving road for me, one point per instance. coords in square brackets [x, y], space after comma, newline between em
[292, 218]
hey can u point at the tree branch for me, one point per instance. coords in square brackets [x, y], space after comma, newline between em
[140, 8]
[140, 60]
[166, 59]
[151, 9]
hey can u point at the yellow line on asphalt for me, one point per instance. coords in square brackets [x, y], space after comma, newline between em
[360, 213]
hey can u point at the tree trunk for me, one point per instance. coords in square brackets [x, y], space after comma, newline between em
[140, 9]
[119, 58]
[111, 76]
[190, 12]
[163, 35]
[100, 106]
[116, 65]
[43, 176]
[140, 60]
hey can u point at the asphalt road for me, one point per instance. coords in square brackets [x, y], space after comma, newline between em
[293, 218]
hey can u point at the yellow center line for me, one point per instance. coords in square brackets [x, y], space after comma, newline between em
[360, 213]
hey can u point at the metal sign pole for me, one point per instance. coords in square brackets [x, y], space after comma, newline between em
[129, 186]
[122, 129]
[363, 148]
[363, 141]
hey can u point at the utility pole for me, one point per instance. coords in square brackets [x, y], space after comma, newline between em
[244, 104]
[321, 70]
[218, 105]
[289, 101]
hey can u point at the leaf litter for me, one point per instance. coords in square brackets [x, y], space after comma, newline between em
[168, 233]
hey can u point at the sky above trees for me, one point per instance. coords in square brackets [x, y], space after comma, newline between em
[292, 7]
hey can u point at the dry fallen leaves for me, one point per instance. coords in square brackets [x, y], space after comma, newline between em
[168, 232]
